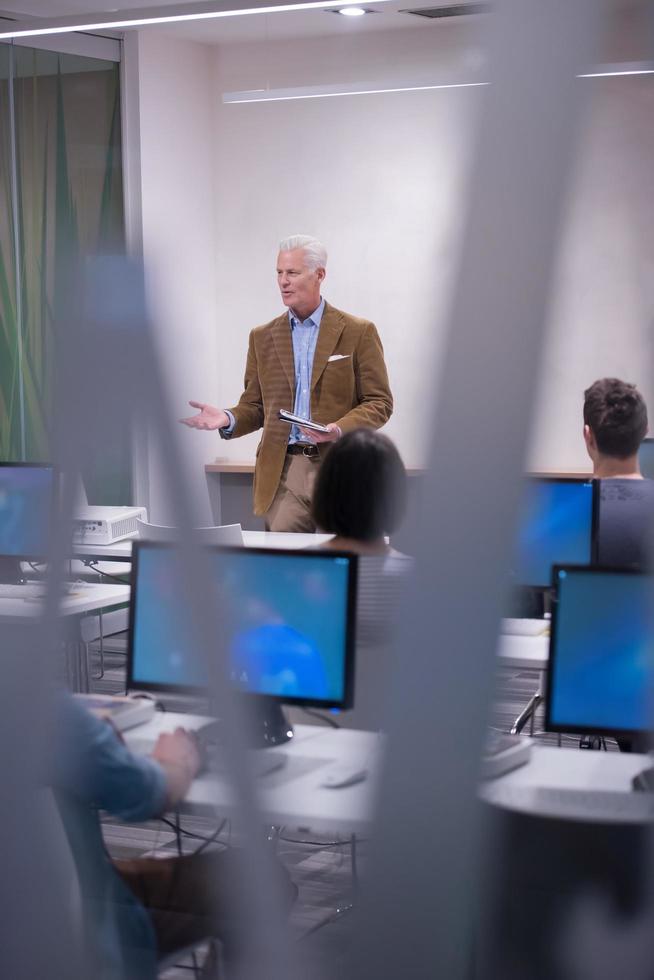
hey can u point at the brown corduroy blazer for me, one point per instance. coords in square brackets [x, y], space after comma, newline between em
[352, 391]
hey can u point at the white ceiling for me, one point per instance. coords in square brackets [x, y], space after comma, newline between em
[292, 24]
[259, 27]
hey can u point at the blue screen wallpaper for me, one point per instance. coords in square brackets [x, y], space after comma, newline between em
[555, 529]
[25, 510]
[286, 622]
[602, 672]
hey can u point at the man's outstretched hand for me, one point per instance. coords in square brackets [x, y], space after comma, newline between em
[208, 417]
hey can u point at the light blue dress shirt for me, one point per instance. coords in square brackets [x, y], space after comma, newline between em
[304, 334]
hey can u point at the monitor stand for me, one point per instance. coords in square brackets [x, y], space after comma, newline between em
[10, 571]
[267, 722]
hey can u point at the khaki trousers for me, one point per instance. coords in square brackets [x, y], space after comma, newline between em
[291, 506]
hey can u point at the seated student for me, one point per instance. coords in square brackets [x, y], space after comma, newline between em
[360, 497]
[136, 910]
[615, 424]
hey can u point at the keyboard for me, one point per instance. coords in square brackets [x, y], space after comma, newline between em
[31, 590]
[263, 761]
[524, 627]
[594, 806]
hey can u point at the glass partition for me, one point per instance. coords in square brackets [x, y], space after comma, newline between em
[61, 185]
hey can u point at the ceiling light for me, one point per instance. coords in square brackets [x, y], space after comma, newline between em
[377, 88]
[333, 91]
[624, 68]
[149, 16]
[353, 11]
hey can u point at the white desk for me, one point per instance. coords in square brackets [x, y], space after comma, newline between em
[122, 550]
[291, 796]
[89, 598]
[524, 652]
[572, 784]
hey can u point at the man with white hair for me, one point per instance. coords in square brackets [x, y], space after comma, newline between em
[316, 361]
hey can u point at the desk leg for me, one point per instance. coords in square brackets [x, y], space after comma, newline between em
[215, 502]
[85, 659]
[101, 674]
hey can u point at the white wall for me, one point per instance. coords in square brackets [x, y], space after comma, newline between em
[179, 246]
[381, 179]
[602, 313]
[378, 178]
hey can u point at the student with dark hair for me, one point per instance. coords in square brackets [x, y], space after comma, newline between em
[360, 497]
[360, 493]
[615, 424]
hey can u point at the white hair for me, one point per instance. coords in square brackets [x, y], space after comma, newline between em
[315, 252]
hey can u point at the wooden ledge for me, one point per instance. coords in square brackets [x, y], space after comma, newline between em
[227, 466]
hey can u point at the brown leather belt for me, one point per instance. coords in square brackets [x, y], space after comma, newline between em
[303, 449]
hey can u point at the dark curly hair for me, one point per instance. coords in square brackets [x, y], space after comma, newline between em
[616, 413]
[360, 490]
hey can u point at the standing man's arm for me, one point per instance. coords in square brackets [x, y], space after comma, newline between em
[245, 417]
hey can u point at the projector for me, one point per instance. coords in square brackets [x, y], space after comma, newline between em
[105, 525]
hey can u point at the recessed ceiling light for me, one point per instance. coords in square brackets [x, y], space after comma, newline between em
[353, 11]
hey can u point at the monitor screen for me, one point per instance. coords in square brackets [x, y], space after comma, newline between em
[556, 527]
[600, 675]
[646, 458]
[289, 620]
[26, 509]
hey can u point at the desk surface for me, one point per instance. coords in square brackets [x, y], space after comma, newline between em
[122, 550]
[523, 652]
[572, 784]
[87, 598]
[291, 796]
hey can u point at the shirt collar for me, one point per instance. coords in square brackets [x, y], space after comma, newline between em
[315, 317]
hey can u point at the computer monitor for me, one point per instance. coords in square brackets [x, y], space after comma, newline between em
[625, 523]
[557, 525]
[27, 500]
[289, 621]
[646, 458]
[601, 650]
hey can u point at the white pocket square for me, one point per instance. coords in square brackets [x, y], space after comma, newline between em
[338, 357]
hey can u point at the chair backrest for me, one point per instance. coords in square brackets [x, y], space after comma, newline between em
[226, 534]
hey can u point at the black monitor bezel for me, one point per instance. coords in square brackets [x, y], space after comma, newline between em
[347, 700]
[649, 440]
[560, 727]
[594, 520]
[5, 464]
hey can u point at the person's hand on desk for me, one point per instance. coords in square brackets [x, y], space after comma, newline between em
[312, 436]
[209, 417]
[179, 757]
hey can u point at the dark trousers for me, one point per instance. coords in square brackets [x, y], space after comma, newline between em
[189, 898]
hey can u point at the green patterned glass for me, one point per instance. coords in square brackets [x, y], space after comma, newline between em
[63, 200]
